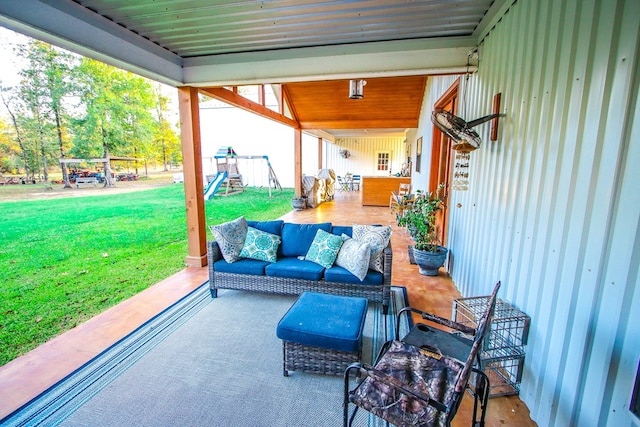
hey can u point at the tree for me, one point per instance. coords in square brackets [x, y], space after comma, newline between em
[10, 104]
[9, 148]
[166, 140]
[45, 83]
[116, 112]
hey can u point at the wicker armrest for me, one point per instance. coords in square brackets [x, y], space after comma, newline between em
[213, 252]
[387, 257]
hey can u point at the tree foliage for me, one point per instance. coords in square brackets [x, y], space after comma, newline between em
[71, 106]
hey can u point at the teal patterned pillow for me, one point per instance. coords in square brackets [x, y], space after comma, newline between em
[230, 237]
[377, 236]
[324, 248]
[260, 245]
[354, 257]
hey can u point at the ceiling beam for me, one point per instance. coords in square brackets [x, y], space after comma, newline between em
[239, 101]
[389, 123]
[362, 60]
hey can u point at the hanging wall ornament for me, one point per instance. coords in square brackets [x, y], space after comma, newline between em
[461, 171]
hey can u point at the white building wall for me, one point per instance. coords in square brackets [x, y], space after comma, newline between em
[249, 134]
[553, 208]
[363, 154]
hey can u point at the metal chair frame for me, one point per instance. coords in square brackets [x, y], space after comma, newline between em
[480, 388]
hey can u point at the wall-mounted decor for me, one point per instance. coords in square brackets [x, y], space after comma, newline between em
[463, 137]
[418, 153]
[461, 171]
[344, 153]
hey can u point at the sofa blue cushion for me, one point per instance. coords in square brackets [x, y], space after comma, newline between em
[271, 227]
[295, 268]
[297, 238]
[339, 230]
[326, 321]
[339, 274]
[243, 266]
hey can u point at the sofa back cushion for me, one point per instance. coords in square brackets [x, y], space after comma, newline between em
[297, 238]
[271, 227]
[339, 230]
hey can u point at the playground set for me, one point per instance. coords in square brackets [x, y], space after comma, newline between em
[228, 176]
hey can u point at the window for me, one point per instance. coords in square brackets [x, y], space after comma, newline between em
[383, 161]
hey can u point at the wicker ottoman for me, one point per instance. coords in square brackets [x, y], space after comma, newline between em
[322, 333]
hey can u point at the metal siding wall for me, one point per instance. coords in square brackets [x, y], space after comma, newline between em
[554, 205]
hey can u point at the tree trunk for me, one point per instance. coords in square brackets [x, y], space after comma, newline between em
[109, 180]
[23, 151]
[63, 166]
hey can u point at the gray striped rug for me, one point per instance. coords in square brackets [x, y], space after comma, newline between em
[204, 362]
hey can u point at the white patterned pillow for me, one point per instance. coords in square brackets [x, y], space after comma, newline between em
[324, 248]
[354, 257]
[230, 237]
[260, 245]
[377, 236]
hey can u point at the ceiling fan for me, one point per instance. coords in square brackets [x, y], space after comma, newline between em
[464, 138]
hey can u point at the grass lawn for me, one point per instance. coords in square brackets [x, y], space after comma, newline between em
[62, 261]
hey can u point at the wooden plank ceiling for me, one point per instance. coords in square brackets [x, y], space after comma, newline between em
[388, 102]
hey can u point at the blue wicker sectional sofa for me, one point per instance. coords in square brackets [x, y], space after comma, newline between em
[293, 272]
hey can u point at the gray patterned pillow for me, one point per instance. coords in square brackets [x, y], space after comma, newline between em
[230, 237]
[377, 236]
[324, 248]
[354, 257]
[260, 245]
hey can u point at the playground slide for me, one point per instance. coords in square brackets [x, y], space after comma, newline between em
[213, 186]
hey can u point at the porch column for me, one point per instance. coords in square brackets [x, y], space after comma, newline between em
[192, 169]
[297, 161]
[319, 153]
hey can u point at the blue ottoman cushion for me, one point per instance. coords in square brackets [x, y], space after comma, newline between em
[326, 321]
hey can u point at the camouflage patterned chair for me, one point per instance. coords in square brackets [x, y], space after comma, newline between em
[412, 385]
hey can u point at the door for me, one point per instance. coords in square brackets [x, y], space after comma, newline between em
[441, 159]
[383, 163]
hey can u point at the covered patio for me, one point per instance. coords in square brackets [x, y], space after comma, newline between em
[26, 377]
[550, 207]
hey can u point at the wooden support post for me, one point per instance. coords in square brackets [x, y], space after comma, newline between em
[297, 160]
[319, 153]
[192, 169]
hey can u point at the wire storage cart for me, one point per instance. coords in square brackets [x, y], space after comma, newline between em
[502, 357]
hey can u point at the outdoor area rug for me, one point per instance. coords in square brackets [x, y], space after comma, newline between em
[206, 362]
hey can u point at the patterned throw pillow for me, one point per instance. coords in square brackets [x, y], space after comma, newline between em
[230, 237]
[260, 245]
[377, 236]
[324, 248]
[354, 257]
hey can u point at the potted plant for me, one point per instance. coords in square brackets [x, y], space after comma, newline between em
[420, 221]
[299, 203]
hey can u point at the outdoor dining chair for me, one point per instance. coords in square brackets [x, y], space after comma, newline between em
[422, 385]
[342, 184]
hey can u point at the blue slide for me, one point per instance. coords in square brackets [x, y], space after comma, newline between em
[213, 186]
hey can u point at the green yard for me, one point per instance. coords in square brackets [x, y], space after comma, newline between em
[65, 260]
